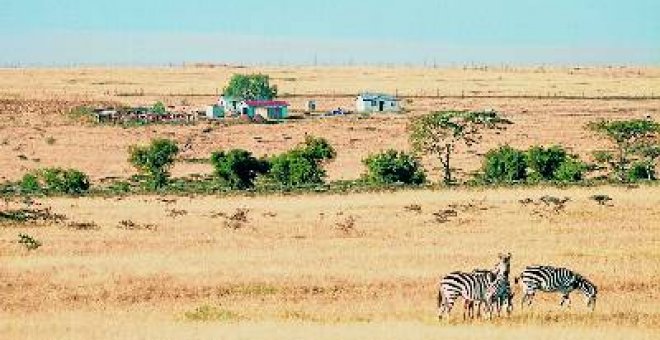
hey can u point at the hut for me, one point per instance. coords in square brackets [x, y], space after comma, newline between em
[377, 102]
[215, 112]
[229, 104]
[268, 109]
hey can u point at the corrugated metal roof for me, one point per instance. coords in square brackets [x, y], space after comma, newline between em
[378, 96]
[266, 103]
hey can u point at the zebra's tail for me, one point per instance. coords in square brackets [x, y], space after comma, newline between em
[516, 279]
[440, 309]
[439, 298]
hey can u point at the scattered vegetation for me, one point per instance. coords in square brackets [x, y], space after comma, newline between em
[601, 199]
[83, 225]
[130, 225]
[303, 165]
[439, 133]
[509, 165]
[29, 242]
[210, 313]
[505, 165]
[55, 181]
[393, 166]
[347, 225]
[30, 215]
[237, 220]
[634, 140]
[154, 161]
[238, 168]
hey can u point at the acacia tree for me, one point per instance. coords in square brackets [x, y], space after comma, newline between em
[632, 138]
[439, 133]
[154, 160]
[250, 87]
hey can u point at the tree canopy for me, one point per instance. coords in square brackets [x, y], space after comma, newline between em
[251, 87]
[439, 133]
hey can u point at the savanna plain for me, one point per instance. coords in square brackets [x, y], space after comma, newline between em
[358, 265]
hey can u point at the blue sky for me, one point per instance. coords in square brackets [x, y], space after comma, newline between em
[61, 32]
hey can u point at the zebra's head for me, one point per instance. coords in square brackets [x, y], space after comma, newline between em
[503, 266]
[589, 290]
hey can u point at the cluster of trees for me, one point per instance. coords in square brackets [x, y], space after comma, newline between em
[55, 181]
[509, 165]
[634, 156]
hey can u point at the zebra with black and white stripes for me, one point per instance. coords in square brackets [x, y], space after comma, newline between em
[476, 287]
[555, 279]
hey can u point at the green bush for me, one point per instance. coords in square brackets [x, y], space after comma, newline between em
[543, 163]
[505, 165]
[55, 180]
[302, 165]
[238, 168]
[30, 183]
[154, 160]
[392, 166]
[640, 171]
[571, 170]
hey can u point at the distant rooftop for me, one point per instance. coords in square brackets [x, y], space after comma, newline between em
[377, 96]
[266, 103]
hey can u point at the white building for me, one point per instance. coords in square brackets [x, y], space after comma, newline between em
[229, 104]
[377, 102]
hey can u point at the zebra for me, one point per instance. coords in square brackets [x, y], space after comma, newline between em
[555, 279]
[498, 294]
[480, 286]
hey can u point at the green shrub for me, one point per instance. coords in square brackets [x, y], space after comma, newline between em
[302, 165]
[505, 165]
[640, 171]
[392, 166]
[159, 108]
[154, 160]
[238, 168]
[571, 170]
[543, 163]
[30, 183]
[55, 180]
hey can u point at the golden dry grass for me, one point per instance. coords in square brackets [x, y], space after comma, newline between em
[292, 272]
[107, 83]
[298, 269]
[40, 98]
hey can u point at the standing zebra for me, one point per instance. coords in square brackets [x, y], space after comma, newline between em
[555, 279]
[479, 286]
[499, 293]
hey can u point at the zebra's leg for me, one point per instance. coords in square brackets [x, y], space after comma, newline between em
[446, 307]
[530, 298]
[564, 299]
[466, 309]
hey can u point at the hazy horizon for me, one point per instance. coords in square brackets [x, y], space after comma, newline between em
[297, 32]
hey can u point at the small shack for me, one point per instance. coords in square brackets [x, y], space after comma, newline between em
[215, 112]
[268, 109]
[229, 104]
[377, 102]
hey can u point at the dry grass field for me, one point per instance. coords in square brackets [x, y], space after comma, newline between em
[356, 266]
[298, 268]
[34, 129]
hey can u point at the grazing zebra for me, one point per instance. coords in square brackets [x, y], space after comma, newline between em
[479, 286]
[555, 279]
